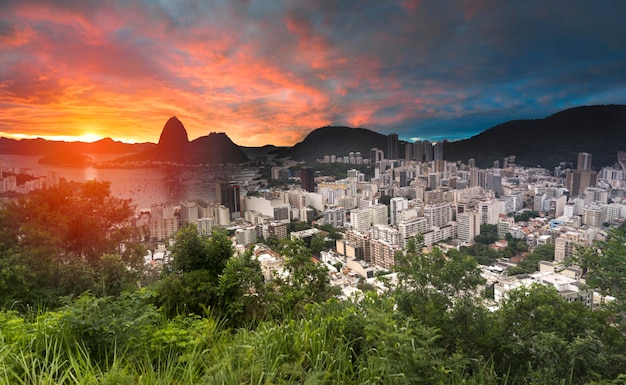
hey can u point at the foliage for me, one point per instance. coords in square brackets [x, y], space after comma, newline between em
[525, 216]
[241, 291]
[542, 337]
[302, 281]
[194, 251]
[428, 282]
[483, 254]
[530, 264]
[605, 268]
[317, 244]
[488, 234]
[65, 240]
[297, 226]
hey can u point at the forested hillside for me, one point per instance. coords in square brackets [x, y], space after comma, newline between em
[598, 130]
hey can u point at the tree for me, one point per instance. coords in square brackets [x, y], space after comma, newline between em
[530, 264]
[537, 334]
[317, 244]
[488, 234]
[242, 290]
[193, 251]
[58, 235]
[303, 281]
[526, 215]
[430, 283]
[605, 268]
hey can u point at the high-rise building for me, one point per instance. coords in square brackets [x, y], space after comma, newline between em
[428, 151]
[188, 212]
[594, 214]
[392, 146]
[360, 219]
[565, 246]
[307, 180]
[493, 182]
[504, 226]
[468, 225]
[376, 155]
[378, 214]
[418, 151]
[408, 151]
[229, 195]
[163, 222]
[438, 154]
[438, 214]
[577, 181]
[584, 161]
[396, 205]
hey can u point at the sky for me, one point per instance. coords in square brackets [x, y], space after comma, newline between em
[269, 72]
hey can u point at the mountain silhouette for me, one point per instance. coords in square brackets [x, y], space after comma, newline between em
[173, 142]
[174, 146]
[338, 141]
[599, 130]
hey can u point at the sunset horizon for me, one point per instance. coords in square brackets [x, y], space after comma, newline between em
[271, 72]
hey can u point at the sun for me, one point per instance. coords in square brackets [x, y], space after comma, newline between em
[89, 137]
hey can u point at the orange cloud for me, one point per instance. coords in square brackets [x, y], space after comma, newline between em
[269, 72]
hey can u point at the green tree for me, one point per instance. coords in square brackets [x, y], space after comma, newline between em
[193, 251]
[430, 283]
[530, 264]
[58, 236]
[193, 292]
[303, 280]
[605, 268]
[538, 335]
[488, 234]
[317, 244]
[242, 290]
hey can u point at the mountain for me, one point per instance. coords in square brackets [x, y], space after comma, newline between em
[174, 146]
[269, 150]
[215, 148]
[598, 130]
[335, 141]
[173, 142]
[41, 147]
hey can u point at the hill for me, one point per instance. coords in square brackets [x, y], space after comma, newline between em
[44, 147]
[335, 140]
[174, 146]
[67, 159]
[215, 148]
[269, 151]
[598, 130]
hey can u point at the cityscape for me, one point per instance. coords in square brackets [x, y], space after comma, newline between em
[445, 203]
[312, 192]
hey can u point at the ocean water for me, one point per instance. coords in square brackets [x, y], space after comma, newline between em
[143, 185]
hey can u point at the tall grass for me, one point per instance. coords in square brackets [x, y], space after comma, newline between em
[335, 343]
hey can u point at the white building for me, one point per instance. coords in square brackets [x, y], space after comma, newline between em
[397, 205]
[468, 226]
[360, 220]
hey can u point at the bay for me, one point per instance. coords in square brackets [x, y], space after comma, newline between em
[144, 186]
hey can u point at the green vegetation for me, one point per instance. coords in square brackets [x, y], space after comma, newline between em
[526, 215]
[73, 312]
[488, 234]
[530, 264]
[483, 254]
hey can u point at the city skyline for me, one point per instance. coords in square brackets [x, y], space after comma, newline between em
[270, 72]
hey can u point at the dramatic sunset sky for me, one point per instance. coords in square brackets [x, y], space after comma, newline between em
[267, 71]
